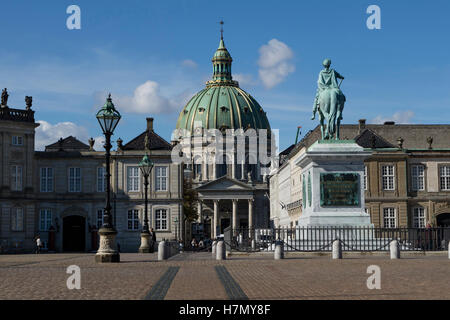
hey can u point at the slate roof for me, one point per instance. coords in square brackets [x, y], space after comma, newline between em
[68, 144]
[369, 139]
[155, 141]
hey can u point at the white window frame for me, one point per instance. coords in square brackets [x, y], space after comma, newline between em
[389, 215]
[100, 217]
[72, 187]
[133, 179]
[365, 180]
[101, 179]
[444, 177]
[45, 219]
[387, 177]
[418, 177]
[17, 219]
[46, 179]
[133, 219]
[161, 179]
[17, 141]
[161, 222]
[16, 178]
[419, 217]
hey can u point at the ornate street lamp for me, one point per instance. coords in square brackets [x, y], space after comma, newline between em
[146, 166]
[108, 118]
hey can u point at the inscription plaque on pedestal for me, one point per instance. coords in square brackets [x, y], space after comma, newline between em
[339, 190]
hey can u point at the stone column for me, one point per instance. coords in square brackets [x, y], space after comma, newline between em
[234, 217]
[250, 217]
[214, 222]
[200, 211]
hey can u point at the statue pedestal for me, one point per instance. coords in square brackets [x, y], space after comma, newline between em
[333, 187]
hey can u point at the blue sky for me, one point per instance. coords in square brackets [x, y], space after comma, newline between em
[160, 52]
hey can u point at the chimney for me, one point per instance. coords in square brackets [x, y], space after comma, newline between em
[150, 124]
[362, 125]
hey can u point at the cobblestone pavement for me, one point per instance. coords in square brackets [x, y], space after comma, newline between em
[196, 276]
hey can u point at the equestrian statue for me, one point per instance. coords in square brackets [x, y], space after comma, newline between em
[329, 101]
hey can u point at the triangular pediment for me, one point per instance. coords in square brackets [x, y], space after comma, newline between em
[225, 184]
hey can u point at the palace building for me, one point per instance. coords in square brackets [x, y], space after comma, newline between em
[406, 180]
[59, 193]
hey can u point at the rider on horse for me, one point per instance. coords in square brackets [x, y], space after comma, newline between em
[328, 81]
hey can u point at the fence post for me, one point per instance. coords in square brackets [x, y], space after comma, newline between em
[337, 249]
[395, 249]
[220, 251]
[279, 250]
[448, 249]
[213, 248]
[162, 250]
[253, 244]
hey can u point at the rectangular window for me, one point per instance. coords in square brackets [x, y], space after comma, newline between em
[161, 219]
[418, 177]
[46, 179]
[16, 178]
[17, 219]
[17, 141]
[101, 179]
[365, 177]
[388, 175]
[133, 219]
[74, 179]
[444, 175]
[418, 217]
[389, 218]
[100, 218]
[133, 179]
[45, 219]
[161, 179]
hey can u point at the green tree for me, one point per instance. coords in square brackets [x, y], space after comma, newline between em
[190, 202]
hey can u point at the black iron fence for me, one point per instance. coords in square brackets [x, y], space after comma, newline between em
[352, 238]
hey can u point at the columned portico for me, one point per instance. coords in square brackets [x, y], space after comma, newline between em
[227, 200]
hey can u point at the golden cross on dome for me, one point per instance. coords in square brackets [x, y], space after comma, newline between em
[221, 29]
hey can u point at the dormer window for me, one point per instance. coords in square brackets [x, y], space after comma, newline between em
[223, 109]
[246, 110]
[201, 109]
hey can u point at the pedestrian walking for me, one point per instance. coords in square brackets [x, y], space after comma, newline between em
[193, 243]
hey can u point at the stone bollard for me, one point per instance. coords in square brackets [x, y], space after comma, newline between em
[162, 251]
[449, 249]
[279, 251]
[213, 248]
[395, 250]
[337, 249]
[253, 244]
[220, 251]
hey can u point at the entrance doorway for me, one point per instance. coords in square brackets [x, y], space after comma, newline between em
[443, 220]
[74, 229]
[224, 223]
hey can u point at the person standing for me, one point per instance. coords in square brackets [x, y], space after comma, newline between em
[153, 240]
[38, 244]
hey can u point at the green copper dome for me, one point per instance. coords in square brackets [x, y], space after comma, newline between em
[222, 104]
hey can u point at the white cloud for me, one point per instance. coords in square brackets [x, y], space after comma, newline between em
[275, 62]
[245, 79]
[189, 63]
[147, 98]
[400, 117]
[48, 133]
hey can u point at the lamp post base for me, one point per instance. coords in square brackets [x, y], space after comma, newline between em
[107, 251]
[145, 242]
